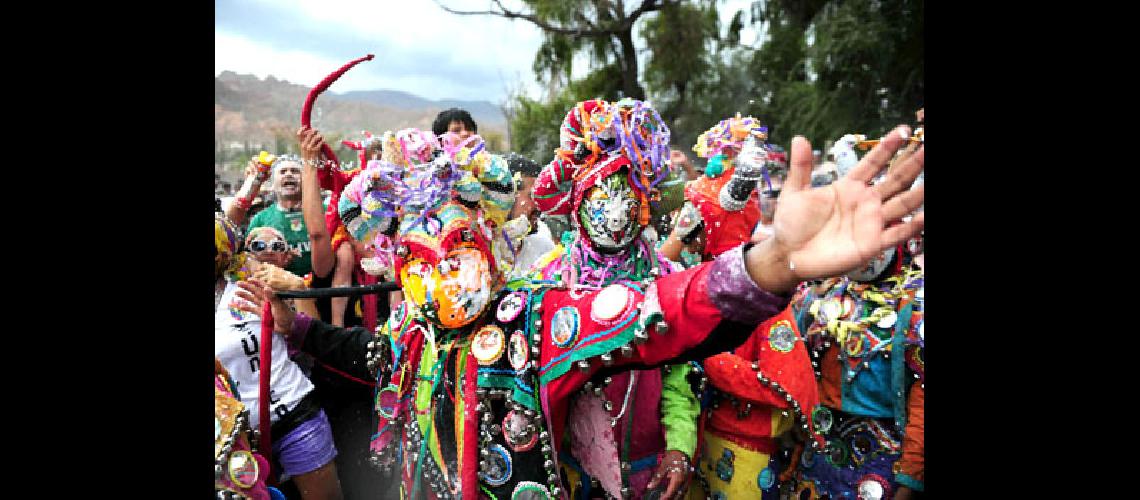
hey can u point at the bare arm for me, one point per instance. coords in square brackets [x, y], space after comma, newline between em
[237, 210]
[342, 277]
[311, 209]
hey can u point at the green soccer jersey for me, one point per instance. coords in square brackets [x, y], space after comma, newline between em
[292, 225]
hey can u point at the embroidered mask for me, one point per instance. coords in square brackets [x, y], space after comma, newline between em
[609, 213]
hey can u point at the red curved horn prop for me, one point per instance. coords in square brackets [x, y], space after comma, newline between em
[307, 110]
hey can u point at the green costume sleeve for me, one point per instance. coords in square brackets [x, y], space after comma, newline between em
[679, 410]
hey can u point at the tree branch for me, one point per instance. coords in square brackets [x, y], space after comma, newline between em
[533, 19]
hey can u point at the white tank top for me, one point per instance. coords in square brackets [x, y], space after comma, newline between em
[237, 344]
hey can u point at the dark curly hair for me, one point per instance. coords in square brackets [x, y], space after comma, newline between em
[445, 117]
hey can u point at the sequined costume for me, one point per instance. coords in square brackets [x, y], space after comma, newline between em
[867, 338]
[765, 387]
[238, 471]
[476, 378]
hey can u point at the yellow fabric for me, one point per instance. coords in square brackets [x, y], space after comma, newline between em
[746, 466]
[781, 424]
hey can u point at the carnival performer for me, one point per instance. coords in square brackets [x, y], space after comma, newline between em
[477, 380]
[302, 441]
[758, 391]
[865, 334]
[624, 457]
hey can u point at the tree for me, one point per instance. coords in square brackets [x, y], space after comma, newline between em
[601, 28]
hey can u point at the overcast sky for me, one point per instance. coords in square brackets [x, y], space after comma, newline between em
[419, 48]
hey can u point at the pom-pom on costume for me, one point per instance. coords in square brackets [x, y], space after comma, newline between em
[476, 379]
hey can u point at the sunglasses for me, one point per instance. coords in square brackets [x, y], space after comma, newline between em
[260, 246]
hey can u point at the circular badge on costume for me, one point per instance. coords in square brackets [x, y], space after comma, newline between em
[766, 478]
[831, 309]
[217, 428]
[862, 445]
[530, 490]
[510, 307]
[498, 470]
[873, 487]
[920, 335]
[564, 326]
[837, 453]
[386, 400]
[822, 418]
[517, 431]
[807, 459]
[888, 320]
[518, 354]
[243, 468]
[781, 337]
[610, 303]
[854, 344]
[488, 344]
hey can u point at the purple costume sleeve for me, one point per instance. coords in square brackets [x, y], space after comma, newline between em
[296, 337]
[739, 299]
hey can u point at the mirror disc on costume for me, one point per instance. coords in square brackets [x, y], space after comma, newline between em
[807, 459]
[530, 490]
[861, 445]
[498, 470]
[766, 478]
[871, 488]
[564, 326]
[822, 419]
[920, 335]
[837, 454]
[517, 353]
[831, 309]
[243, 468]
[888, 320]
[510, 307]
[488, 344]
[781, 337]
[517, 431]
[610, 303]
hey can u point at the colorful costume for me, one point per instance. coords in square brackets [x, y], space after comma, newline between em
[758, 391]
[238, 472]
[600, 438]
[866, 334]
[476, 381]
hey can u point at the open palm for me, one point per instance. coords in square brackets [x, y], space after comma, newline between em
[830, 230]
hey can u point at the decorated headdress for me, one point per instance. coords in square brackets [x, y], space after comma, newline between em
[400, 199]
[598, 138]
[229, 260]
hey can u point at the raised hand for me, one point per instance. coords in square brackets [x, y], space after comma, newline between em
[255, 294]
[673, 471]
[829, 230]
[311, 141]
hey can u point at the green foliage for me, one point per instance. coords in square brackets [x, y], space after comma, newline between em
[823, 68]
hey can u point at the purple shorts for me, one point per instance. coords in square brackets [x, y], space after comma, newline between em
[307, 447]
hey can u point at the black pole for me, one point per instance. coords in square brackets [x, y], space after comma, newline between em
[350, 291]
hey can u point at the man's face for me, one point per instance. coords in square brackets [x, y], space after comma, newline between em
[524, 204]
[458, 127]
[287, 179]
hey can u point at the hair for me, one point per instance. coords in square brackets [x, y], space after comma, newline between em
[445, 117]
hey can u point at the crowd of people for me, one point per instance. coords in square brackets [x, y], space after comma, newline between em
[544, 343]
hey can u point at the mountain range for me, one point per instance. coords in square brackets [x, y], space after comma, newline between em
[267, 112]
